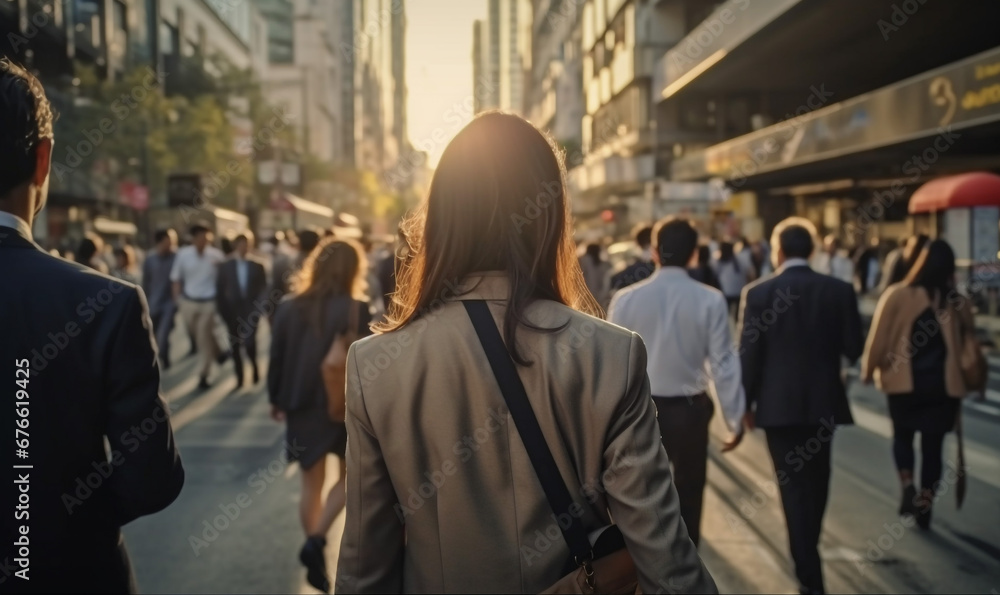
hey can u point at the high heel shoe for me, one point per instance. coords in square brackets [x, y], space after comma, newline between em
[924, 506]
[313, 558]
[908, 507]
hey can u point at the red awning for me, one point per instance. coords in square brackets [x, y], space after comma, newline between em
[962, 191]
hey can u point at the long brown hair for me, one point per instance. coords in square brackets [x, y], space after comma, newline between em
[335, 267]
[497, 202]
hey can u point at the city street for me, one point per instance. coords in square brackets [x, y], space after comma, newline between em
[235, 528]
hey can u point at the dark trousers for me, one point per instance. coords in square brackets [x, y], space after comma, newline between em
[684, 430]
[801, 456]
[931, 444]
[242, 337]
[163, 323]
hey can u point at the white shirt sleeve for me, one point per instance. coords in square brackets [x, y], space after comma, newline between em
[175, 270]
[724, 362]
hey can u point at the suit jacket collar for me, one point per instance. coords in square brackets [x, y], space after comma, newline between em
[10, 237]
[487, 285]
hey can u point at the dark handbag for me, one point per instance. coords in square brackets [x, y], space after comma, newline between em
[599, 563]
[971, 360]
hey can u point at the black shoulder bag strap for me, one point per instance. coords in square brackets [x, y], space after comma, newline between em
[514, 394]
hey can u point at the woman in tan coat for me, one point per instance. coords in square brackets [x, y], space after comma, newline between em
[913, 355]
[442, 495]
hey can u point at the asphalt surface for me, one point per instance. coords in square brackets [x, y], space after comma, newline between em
[234, 528]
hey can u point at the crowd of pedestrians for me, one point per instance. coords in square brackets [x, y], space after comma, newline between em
[495, 433]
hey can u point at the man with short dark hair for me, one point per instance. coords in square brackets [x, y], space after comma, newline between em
[194, 275]
[157, 285]
[81, 373]
[797, 324]
[643, 267]
[685, 326]
[241, 282]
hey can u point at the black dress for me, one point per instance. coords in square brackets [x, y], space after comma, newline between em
[928, 408]
[295, 383]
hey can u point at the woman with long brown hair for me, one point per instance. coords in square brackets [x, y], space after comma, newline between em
[330, 285]
[443, 494]
[913, 354]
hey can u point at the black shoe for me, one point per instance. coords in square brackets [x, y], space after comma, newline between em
[203, 384]
[924, 518]
[924, 504]
[908, 507]
[225, 355]
[314, 560]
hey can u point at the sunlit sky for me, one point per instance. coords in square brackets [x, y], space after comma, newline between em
[439, 70]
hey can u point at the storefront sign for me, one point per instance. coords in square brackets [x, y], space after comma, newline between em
[934, 104]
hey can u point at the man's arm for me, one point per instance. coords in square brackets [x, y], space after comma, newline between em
[642, 498]
[221, 305]
[853, 341]
[725, 365]
[176, 277]
[148, 474]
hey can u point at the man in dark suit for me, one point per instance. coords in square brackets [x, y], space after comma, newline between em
[242, 281]
[80, 368]
[797, 325]
[643, 267]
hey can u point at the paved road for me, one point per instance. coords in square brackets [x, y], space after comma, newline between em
[232, 453]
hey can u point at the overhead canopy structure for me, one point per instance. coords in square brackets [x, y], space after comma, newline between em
[962, 191]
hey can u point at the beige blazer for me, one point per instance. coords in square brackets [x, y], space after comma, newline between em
[441, 494]
[890, 347]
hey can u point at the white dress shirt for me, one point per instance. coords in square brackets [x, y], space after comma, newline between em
[14, 222]
[197, 272]
[685, 326]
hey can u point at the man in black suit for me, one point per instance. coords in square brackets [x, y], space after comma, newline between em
[797, 325]
[643, 267]
[80, 368]
[242, 281]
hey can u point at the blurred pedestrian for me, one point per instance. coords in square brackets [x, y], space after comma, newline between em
[643, 266]
[281, 265]
[733, 276]
[81, 362]
[159, 291]
[226, 245]
[125, 268]
[914, 355]
[761, 257]
[194, 275]
[88, 253]
[830, 261]
[866, 267]
[900, 261]
[478, 296]
[685, 326]
[596, 274]
[241, 286]
[796, 327]
[744, 255]
[388, 266]
[329, 293]
[374, 284]
[702, 271]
